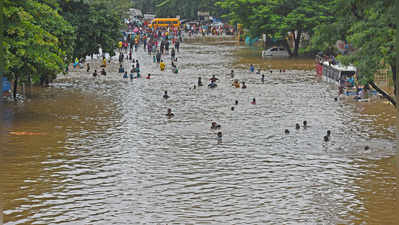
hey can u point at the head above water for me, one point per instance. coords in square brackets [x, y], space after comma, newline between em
[305, 123]
[297, 126]
[286, 131]
[236, 102]
[329, 133]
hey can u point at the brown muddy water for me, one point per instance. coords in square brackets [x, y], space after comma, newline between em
[101, 151]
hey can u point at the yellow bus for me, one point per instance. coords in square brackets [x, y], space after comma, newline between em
[164, 22]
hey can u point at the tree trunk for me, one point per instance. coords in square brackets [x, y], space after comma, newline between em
[287, 46]
[379, 90]
[14, 92]
[297, 42]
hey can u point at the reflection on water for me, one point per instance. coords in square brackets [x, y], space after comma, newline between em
[111, 156]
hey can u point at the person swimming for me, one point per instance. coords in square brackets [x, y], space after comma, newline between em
[165, 95]
[236, 102]
[148, 76]
[244, 86]
[95, 73]
[236, 84]
[169, 113]
[297, 126]
[220, 135]
[263, 78]
[305, 124]
[213, 125]
[286, 131]
[232, 73]
[253, 101]
[212, 84]
[232, 108]
[125, 75]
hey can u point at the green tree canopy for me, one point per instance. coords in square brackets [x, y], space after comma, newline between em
[37, 39]
[276, 18]
[369, 27]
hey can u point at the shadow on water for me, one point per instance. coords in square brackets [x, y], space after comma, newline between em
[109, 154]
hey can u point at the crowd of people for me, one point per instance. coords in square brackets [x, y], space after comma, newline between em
[163, 45]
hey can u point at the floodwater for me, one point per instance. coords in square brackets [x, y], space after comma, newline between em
[102, 151]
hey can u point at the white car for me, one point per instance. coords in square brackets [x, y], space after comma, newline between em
[275, 51]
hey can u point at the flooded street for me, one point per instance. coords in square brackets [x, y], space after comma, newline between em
[103, 151]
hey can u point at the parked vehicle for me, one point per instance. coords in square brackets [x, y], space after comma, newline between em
[164, 22]
[275, 51]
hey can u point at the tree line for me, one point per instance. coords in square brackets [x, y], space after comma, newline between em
[41, 37]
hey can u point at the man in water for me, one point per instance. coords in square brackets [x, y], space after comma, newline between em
[169, 113]
[236, 84]
[158, 56]
[173, 53]
[103, 72]
[121, 69]
[253, 101]
[244, 86]
[95, 73]
[177, 45]
[263, 78]
[251, 68]
[212, 84]
[165, 95]
[162, 65]
[232, 73]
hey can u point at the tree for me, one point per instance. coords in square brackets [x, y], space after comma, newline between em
[97, 23]
[277, 18]
[36, 40]
[368, 26]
